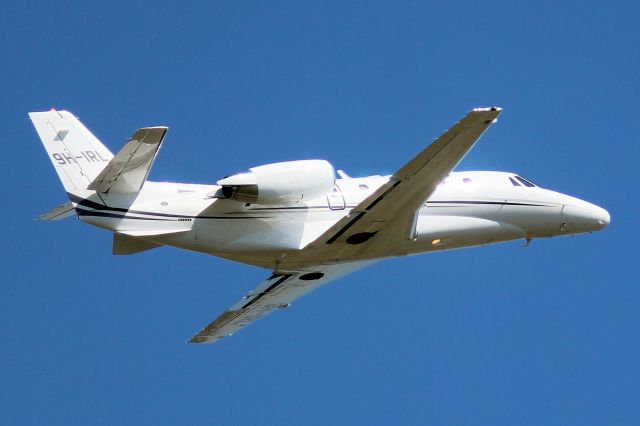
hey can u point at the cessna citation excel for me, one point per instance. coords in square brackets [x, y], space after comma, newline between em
[295, 218]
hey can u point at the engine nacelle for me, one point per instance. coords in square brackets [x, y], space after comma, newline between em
[280, 183]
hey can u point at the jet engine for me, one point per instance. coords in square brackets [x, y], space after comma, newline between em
[280, 183]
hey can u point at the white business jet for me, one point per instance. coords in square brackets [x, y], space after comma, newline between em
[296, 218]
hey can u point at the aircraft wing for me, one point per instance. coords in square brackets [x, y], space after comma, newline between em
[128, 170]
[377, 225]
[275, 293]
[385, 220]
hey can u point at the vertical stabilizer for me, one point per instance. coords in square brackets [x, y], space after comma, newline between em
[77, 155]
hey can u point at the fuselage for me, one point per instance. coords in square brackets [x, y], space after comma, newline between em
[467, 209]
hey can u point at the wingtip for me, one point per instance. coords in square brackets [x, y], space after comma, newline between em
[484, 109]
[199, 339]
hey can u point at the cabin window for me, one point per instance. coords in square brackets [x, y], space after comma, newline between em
[514, 182]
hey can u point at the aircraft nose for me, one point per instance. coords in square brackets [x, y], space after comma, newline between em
[585, 217]
[602, 216]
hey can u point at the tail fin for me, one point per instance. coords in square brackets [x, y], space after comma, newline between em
[77, 155]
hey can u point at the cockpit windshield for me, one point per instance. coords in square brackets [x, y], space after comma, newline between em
[517, 180]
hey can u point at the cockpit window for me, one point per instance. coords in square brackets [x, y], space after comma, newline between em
[514, 182]
[466, 180]
[363, 187]
[526, 182]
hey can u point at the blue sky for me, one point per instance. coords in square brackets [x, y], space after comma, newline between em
[494, 335]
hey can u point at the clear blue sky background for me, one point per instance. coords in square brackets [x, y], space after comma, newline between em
[498, 335]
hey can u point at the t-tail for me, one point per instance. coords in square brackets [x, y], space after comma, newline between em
[86, 168]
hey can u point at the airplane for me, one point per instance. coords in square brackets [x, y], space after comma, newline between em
[296, 218]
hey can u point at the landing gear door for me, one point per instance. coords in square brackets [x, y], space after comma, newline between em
[336, 199]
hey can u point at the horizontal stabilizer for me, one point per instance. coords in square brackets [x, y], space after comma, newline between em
[128, 170]
[124, 244]
[63, 211]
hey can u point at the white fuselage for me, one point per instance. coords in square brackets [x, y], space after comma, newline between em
[467, 209]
